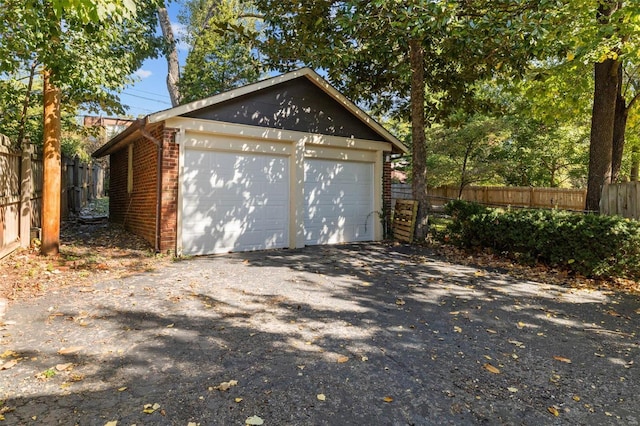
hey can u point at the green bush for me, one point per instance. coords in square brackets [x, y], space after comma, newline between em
[588, 244]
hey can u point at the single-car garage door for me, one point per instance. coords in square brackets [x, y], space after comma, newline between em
[234, 202]
[338, 201]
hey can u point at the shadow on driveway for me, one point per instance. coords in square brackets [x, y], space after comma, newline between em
[355, 334]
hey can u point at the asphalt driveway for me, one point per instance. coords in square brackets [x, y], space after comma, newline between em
[366, 334]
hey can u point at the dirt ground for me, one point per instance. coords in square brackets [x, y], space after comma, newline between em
[351, 335]
[89, 252]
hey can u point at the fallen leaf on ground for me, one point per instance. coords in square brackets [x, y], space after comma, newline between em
[491, 331]
[150, 408]
[491, 369]
[576, 398]
[342, 359]
[457, 329]
[238, 400]
[224, 386]
[111, 423]
[400, 302]
[562, 359]
[521, 325]
[122, 389]
[70, 350]
[387, 399]
[553, 410]
[512, 389]
[8, 353]
[7, 365]
[254, 421]
[62, 367]
[321, 397]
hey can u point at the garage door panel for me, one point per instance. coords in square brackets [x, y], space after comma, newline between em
[338, 201]
[234, 202]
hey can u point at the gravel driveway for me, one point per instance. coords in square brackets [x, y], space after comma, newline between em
[366, 334]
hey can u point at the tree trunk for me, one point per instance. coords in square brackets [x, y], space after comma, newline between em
[463, 174]
[635, 165]
[619, 128]
[173, 71]
[419, 142]
[602, 123]
[602, 118]
[51, 170]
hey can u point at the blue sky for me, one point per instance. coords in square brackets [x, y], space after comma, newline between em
[149, 94]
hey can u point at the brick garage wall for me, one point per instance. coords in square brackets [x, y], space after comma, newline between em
[118, 197]
[169, 207]
[386, 194]
[136, 210]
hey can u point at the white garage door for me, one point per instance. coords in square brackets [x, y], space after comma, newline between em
[234, 202]
[339, 202]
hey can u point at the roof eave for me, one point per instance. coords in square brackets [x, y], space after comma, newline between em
[117, 141]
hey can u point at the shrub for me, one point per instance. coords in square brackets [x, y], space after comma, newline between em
[592, 245]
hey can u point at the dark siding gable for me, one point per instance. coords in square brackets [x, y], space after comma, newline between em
[294, 105]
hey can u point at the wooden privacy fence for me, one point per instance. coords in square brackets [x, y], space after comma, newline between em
[560, 198]
[21, 181]
[622, 199]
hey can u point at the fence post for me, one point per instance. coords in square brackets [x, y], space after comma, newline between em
[531, 190]
[26, 188]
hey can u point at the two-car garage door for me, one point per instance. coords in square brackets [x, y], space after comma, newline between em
[241, 201]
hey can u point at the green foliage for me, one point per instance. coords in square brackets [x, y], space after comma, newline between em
[466, 152]
[592, 245]
[222, 48]
[74, 141]
[91, 48]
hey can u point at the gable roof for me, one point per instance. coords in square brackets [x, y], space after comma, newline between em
[210, 105]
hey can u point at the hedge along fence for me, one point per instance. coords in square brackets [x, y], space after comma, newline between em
[588, 244]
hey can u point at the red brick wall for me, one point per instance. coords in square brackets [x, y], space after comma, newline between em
[136, 210]
[118, 198]
[386, 194]
[169, 207]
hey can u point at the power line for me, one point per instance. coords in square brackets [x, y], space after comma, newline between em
[146, 98]
[147, 92]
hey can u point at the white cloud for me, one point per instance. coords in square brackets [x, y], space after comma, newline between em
[180, 34]
[142, 73]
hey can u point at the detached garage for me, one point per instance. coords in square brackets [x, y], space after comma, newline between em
[281, 163]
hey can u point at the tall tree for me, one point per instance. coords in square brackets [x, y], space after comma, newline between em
[614, 34]
[86, 50]
[171, 53]
[222, 55]
[606, 78]
[385, 54]
[626, 100]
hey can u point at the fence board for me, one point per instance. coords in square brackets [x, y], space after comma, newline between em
[621, 199]
[21, 183]
[561, 198]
